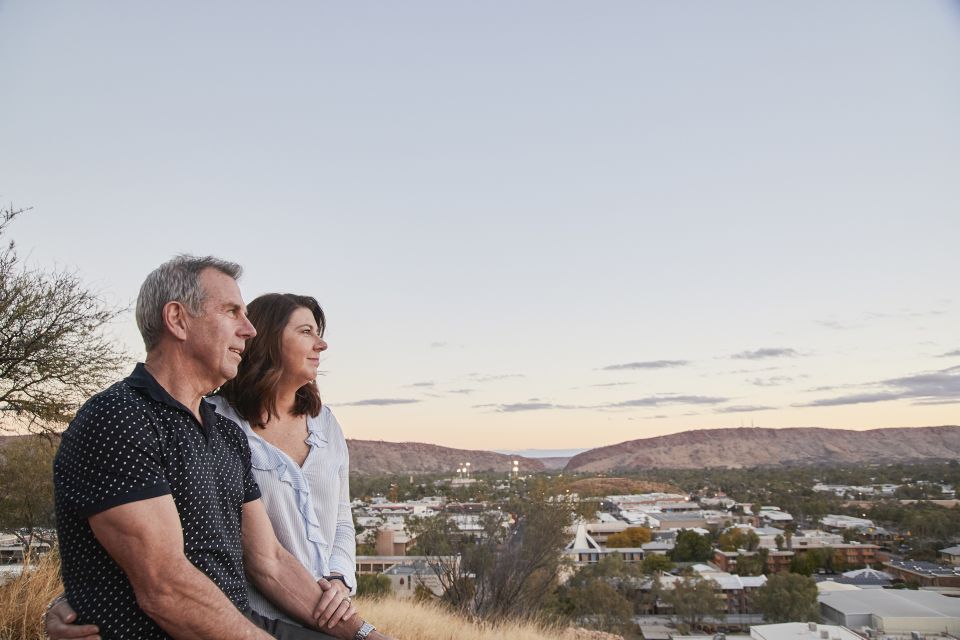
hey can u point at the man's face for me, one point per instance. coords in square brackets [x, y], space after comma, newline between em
[217, 338]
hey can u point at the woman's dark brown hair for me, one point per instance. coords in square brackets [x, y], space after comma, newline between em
[253, 393]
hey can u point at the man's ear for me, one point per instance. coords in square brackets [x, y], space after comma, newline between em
[175, 319]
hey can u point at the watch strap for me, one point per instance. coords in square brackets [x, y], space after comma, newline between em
[365, 630]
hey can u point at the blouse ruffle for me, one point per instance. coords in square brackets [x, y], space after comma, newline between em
[266, 457]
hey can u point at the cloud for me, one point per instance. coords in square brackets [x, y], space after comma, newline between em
[760, 354]
[462, 391]
[950, 354]
[742, 408]
[871, 316]
[421, 384]
[526, 406]
[662, 400]
[612, 384]
[833, 324]
[477, 377]
[773, 381]
[438, 345]
[650, 364]
[854, 398]
[932, 387]
[378, 402]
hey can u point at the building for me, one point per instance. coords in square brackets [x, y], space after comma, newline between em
[380, 564]
[814, 539]
[832, 521]
[735, 590]
[951, 555]
[801, 631]
[854, 554]
[925, 574]
[773, 515]
[405, 578]
[777, 561]
[391, 542]
[865, 578]
[892, 611]
[584, 550]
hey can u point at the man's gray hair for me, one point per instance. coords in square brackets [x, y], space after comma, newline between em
[176, 280]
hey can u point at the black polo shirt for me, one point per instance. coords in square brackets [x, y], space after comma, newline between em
[132, 442]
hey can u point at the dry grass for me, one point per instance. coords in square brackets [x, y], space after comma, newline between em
[595, 487]
[24, 599]
[409, 620]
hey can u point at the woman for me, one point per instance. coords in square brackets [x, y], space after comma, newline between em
[298, 452]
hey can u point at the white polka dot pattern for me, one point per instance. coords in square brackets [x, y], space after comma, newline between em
[134, 442]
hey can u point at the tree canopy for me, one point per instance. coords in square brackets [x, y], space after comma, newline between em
[788, 597]
[694, 599]
[54, 352]
[26, 489]
[631, 537]
[692, 547]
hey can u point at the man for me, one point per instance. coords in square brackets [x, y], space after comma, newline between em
[157, 511]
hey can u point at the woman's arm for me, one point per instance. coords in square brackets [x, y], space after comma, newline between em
[343, 555]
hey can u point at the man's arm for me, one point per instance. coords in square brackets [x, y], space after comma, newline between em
[146, 540]
[286, 582]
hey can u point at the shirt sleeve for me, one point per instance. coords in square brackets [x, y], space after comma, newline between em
[251, 490]
[110, 456]
[343, 557]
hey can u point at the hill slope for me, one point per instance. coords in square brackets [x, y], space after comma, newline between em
[749, 447]
[376, 457]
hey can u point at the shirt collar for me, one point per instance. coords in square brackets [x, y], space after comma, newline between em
[143, 380]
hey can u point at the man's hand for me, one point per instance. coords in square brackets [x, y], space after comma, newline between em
[334, 605]
[58, 624]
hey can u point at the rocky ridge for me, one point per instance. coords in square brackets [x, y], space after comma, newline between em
[373, 457]
[752, 447]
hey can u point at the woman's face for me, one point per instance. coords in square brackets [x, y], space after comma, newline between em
[301, 346]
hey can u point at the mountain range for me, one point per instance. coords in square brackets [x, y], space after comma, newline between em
[731, 448]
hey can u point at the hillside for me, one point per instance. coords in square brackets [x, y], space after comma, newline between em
[748, 447]
[376, 457]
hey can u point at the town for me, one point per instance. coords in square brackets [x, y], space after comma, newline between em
[881, 549]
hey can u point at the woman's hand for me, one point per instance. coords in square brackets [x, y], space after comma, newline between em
[334, 605]
[58, 624]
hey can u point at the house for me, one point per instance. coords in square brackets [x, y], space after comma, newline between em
[951, 555]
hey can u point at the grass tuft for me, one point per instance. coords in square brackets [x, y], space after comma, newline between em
[24, 599]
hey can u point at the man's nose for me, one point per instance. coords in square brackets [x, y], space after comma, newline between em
[247, 331]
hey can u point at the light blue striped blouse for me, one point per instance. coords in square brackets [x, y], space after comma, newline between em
[309, 506]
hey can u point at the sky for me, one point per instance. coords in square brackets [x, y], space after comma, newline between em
[537, 224]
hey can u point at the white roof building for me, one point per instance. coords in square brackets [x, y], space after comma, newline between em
[801, 631]
[844, 522]
[893, 611]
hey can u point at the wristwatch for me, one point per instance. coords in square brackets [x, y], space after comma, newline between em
[365, 629]
[337, 577]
